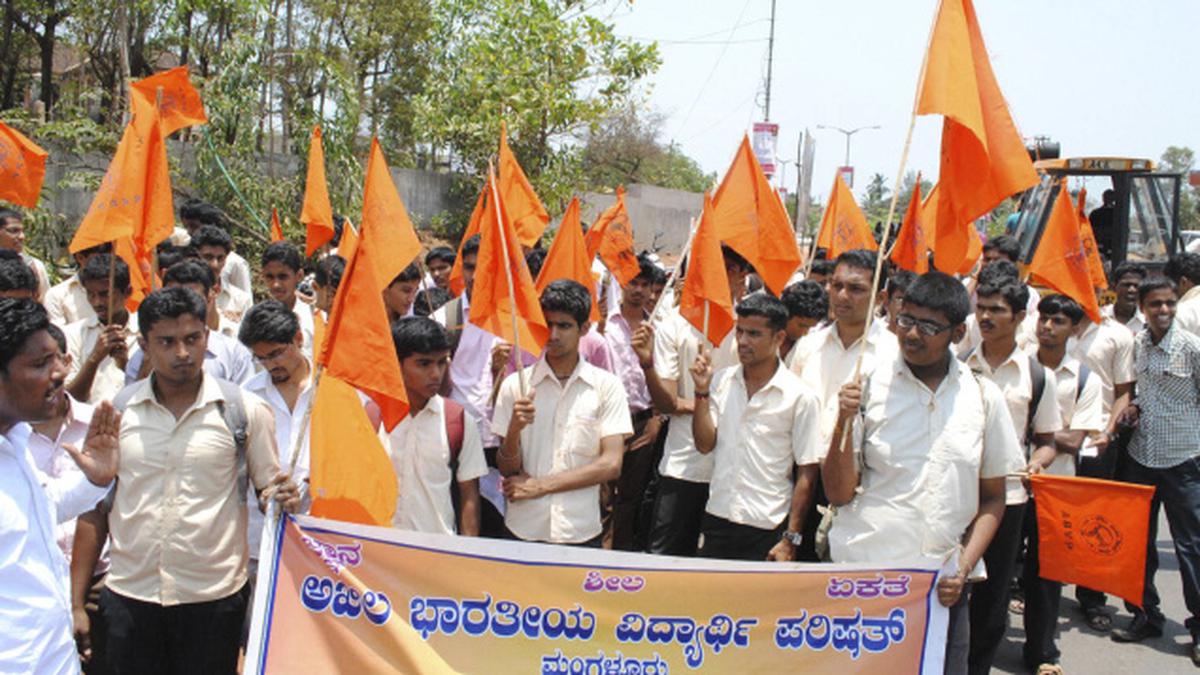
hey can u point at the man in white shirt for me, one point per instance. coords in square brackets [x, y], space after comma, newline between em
[99, 345]
[436, 450]
[1184, 270]
[1126, 279]
[193, 215]
[759, 421]
[564, 431]
[808, 306]
[282, 271]
[12, 238]
[35, 606]
[996, 273]
[921, 477]
[66, 301]
[215, 247]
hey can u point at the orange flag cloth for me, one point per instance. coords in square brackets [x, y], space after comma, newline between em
[1095, 265]
[392, 233]
[529, 217]
[492, 307]
[276, 228]
[1093, 533]
[611, 236]
[317, 213]
[458, 283]
[1060, 261]
[22, 168]
[180, 106]
[706, 284]
[844, 227]
[911, 251]
[983, 157]
[749, 216]
[568, 257]
[349, 241]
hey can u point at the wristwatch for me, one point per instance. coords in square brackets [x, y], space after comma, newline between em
[793, 538]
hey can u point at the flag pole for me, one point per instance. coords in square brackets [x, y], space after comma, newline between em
[158, 95]
[424, 274]
[674, 275]
[112, 281]
[512, 295]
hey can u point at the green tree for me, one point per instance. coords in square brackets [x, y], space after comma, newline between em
[878, 198]
[1181, 159]
[624, 148]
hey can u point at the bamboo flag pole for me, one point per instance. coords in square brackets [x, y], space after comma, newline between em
[112, 281]
[158, 96]
[674, 275]
[512, 295]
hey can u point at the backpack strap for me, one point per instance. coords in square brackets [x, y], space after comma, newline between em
[233, 411]
[1081, 381]
[455, 419]
[1037, 374]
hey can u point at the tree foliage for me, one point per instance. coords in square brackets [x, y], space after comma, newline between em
[1181, 159]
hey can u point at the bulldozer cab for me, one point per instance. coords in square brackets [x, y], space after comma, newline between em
[1138, 221]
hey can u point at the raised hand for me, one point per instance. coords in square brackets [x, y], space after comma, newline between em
[101, 452]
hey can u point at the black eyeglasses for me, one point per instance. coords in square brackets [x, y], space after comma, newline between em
[927, 328]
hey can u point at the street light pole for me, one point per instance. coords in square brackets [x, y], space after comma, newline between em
[848, 133]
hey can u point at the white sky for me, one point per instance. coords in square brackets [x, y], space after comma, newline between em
[1102, 77]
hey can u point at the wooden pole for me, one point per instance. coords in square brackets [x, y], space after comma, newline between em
[512, 295]
[154, 283]
[112, 282]
[305, 420]
[424, 275]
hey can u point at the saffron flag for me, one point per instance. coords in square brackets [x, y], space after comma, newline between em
[844, 227]
[974, 251]
[749, 216]
[458, 282]
[492, 305]
[529, 217]
[911, 252]
[22, 168]
[276, 228]
[706, 287]
[1088, 237]
[983, 159]
[349, 242]
[1060, 261]
[611, 237]
[568, 257]
[316, 213]
[180, 105]
[1093, 533]
[351, 478]
[394, 241]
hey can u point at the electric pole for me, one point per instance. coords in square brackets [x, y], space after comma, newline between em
[770, 59]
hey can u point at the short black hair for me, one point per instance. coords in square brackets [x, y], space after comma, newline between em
[6, 214]
[170, 303]
[339, 226]
[940, 292]
[329, 271]
[1183, 266]
[284, 253]
[419, 335]
[1061, 304]
[569, 297]
[767, 306]
[806, 299]
[732, 257]
[1151, 284]
[648, 270]
[170, 255]
[900, 280]
[269, 321]
[1016, 295]
[443, 253]
[1005, 245]
[999, 272]
[96, 269]
[211, 235]
[15, 275]
[1129, 268]
[60, 338]
[410, 273]
[194, 209]
[471, 246]
[429, 300]
[862, 259]
[190, 272]
[534, 261]
[822, 266]
[20, 318]
[106, 247]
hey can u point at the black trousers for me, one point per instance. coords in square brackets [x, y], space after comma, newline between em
[678, 510]
[989, 599]
[627, 490]
[199, 638]
[1042, 599]
[728, 540]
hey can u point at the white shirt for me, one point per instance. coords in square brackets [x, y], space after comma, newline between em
[759, 439]
[1187, 311]
[224, 358]
[233, 302]
[470, 370]
[66, 302]
[39, 271]
[59, 473]
[1015, 379]
[1026, 331]
[922, 454]
[676, 344]
[35, 602]
[1135, 324]
[236, 273]
[1106, 348]
[420, 452]
[1080, 409]
[82, 337]
[571, 419]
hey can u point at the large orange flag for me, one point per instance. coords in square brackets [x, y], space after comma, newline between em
[705, 284]
[317, 213]
[529, 217]
[844, 227]
[393, 238]
[1088, 237]
[458, 282]
[22, 168]
[749, 216]
[1060, 261]
[492, 306]
[1093, 533]
[568, 257]
[983, 157]
[180, 105]
[611, 236]
[276, 227]
[911, 251]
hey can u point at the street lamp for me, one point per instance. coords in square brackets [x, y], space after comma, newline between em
[848, 133]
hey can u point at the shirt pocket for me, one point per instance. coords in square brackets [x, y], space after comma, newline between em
[581, 437]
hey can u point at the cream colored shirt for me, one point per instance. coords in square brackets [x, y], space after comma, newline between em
[1187, 312]
[178, 526]
[81, 340]
[759, 440]
[1106, 348]
[1135, 324]
[66, 302]
[570, 420]
[1080, 409]
[420, 452]
[233, 303]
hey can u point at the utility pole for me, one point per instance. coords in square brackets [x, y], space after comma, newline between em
[770, 60]
[848, 133]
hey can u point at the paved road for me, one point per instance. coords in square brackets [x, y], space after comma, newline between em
[1088, 652]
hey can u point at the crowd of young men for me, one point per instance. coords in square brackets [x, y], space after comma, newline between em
[813, 432]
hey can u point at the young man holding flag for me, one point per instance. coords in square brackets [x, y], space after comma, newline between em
[99, 345]
[66, 302]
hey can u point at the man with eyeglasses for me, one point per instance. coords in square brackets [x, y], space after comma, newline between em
[920, 475]
[12, 237]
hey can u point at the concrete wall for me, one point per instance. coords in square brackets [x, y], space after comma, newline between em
[660, 217]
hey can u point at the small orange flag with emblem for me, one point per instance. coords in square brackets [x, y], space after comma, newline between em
[276, 227]
[844, 227]
[704, 299]
[393, 238]
[568, 257]
[1093, 533]
[1060, 260]
[180, 106]
[317, 212]
[529, 217]
[1088, 237]
[458, 282]
[911, 251]
[22, 168]
[611, 237]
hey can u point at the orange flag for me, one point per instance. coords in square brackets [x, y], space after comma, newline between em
[1095, 265]
[1093, 533]
[611, 236]
[317, 213]
[529, 217]
[492, 306]
[180, 105]
[749, 216]
[844, 227]
[705, 284]
[974, 251]
[457, 282]
[983, 157]
[22, 168]
[352, 478]
[385, 216]
[911, 251]
[568, 257]
[349, 241]
[276, 228]
[1060, 261]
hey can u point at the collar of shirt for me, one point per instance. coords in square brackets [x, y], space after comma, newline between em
[583, 371]
[978, 363]
[739, 376]
[210, 392]
[16, 438]
[957, 370]
[1192, 294]
[1146, 341]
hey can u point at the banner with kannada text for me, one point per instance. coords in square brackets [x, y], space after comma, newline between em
[336, 597]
